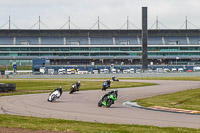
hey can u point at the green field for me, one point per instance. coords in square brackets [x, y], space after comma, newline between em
[35, 123]
[165, 78]
[189, 99]
[3, 68]
[24, 86]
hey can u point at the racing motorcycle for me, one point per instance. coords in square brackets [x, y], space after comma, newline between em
[55, 94]
[115, 79]
[105, 85]
[73, 89]
[108, 99]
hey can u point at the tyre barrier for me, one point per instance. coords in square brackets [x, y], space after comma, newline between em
[7, 87]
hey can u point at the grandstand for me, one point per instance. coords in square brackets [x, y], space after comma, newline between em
[97, 47]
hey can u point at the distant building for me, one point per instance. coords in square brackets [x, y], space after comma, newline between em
[97, 47]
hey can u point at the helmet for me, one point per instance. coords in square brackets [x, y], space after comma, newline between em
[115, 91]
[113, 76]
[79, 82]
[59, 88]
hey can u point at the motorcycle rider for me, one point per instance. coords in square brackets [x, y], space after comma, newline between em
[109, 93]
[113, 78]
[108, 82]
[59, 89]
[56, 95]
[78, 84]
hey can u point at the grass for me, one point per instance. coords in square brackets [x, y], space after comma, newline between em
[165, 78]
[189, 99]
[29, 86]
[10, 67]
[35, 123]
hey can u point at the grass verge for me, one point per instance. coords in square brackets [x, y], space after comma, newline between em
[10, 67]
[189, 99]
[29, 86]
[165, 78]
[35, 123]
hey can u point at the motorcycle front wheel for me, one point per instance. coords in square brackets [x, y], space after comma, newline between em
[100, 103]
[52, 98]
[109, 103]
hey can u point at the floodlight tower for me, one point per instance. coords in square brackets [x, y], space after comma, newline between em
[144, 39]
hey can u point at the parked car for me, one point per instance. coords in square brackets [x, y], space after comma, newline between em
[189, 70]
[69, 71]
[114, 71]
[83, 72]
[166, 70]
[132, 70]
[174, 70]
[196, 69]
[61, 71]
[180, 70]
[51, 71]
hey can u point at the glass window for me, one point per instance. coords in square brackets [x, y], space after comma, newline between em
[44, 49]
[94, 49]
[4, 49]
[104, 49]
[54, 49]
[74, 49]
[14, 49]
[125, 49]
[24, 49]
[34, 49]
[64, 49]
[114, 49]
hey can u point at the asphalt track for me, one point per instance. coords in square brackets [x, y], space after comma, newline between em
[82, 106]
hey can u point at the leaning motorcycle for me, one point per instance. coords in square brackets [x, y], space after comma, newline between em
[108, 99]
[55, 94]
[104, 86]
[73, 89]
[115, 79]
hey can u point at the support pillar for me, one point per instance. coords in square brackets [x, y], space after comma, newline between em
[144, 39]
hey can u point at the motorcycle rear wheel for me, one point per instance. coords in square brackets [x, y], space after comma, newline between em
[109, 103]
[71, 91]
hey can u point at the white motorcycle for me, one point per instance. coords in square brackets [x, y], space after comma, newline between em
[55, 94]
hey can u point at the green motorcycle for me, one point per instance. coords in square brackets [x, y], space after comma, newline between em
[108, 99]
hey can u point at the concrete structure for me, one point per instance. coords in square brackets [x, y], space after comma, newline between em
[144, 39]
[99, 47]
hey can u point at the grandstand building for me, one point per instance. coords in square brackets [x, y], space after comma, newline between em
[97, 47]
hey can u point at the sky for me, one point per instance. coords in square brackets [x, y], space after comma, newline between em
[112, 13]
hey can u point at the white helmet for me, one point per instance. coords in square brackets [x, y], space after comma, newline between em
[116, 91]
[79, 82]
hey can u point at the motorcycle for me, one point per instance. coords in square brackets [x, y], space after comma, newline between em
[108, 99]
[55, 94]
[115, 79]
[74, 88]
[105, 85]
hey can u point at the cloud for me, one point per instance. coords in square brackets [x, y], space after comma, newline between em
[84, 13]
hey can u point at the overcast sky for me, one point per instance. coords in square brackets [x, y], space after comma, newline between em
[84, 13]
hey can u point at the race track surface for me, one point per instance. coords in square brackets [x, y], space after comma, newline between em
[82, 106]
